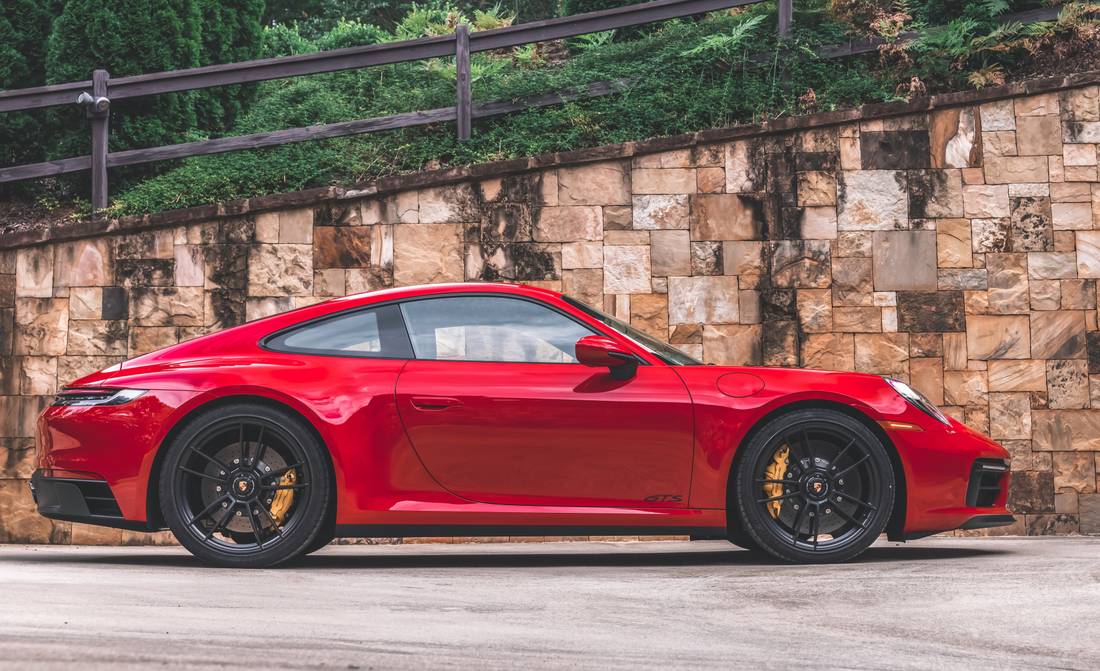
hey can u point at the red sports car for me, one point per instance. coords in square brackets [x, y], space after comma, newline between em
[492, 409]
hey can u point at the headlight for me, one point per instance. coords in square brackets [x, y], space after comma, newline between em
[918, 400]
[87, 397]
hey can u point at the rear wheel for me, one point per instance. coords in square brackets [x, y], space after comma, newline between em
[245, 486]
[814, 486]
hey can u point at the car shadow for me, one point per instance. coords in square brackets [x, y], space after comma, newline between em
[494, 559]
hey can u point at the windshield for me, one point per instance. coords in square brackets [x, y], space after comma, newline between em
[662, 351]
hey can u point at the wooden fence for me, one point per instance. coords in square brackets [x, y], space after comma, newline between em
[97, 94]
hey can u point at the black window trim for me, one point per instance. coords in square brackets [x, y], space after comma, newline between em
[598, 329]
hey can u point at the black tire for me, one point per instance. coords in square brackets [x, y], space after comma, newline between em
[835, 487]
[224, 470]
[742, 539]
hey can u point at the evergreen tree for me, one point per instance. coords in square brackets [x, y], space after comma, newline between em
[231, 32]
[24, 27]
[127, 37]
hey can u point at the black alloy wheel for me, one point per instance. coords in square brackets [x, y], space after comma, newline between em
[246, 486]
[814, 486]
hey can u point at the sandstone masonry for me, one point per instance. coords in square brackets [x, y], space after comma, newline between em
[956, 247]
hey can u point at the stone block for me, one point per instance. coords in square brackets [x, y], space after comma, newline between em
[998, 337]
[1066, 430]
[670, 253]
[1036, 105]
[1045, 294]
[22, 523]
[965, 387]
[1024, 375]
[991, 235]
[816, 188]
[427, 254]
[925, 311]
[452, 204]
[1074, 470]
[710, 180]
[568, 224]
[83, 263]
[818, 223]
[953, 244]
[585, 254]
[85, 302]
[34, 272]
[998, 115]
[41, 326]
[1031, 492]
[1010, 415]
[895, 150]
[606, 183]
[828, 351]
[999, 143]
[815, 310]
[857, 319]
[1058, 334]
[725, 217]
[1039, 135]
[732, 344]
[96, 337]
[1008, 283]
[1079, 155]
[700, 299]
[883, 354]
[1052, 265]
[1031, 224]
[662, 180]
[800, 263]
[660, 212]
[280, 270]
[1071, 216]
[144, 339]
[872, 200]
[626, 269]
[985, 201]
[926, 376]
[935, 194]
[1015, 169]
[953, 138]
[342, 247]
[584, 284]
[745, 167]
[296, 226]
[905, 260]
[649, 313]
[743, 258]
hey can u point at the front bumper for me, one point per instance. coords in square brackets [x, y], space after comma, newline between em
[79, 500]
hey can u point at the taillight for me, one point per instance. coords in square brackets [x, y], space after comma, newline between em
[90, 396]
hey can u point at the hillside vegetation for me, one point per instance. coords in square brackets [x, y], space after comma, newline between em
[685, 75]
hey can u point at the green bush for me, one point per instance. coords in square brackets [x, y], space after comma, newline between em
[24, 28]
[230, 33]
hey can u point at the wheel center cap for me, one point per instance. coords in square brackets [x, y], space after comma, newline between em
[244, 486]
[817, 487]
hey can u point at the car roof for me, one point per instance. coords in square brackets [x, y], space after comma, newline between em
[420, 290]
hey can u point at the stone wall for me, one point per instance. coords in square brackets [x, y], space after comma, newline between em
[954, 244]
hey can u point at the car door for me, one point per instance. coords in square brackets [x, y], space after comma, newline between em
[500, 411]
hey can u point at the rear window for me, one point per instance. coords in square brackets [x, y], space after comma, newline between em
[375, 332]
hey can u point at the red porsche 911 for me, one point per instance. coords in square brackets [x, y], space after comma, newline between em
[492, 409]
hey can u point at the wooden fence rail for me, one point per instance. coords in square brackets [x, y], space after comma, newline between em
[96, 94]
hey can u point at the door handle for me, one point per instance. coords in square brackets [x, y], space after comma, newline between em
[435, 402]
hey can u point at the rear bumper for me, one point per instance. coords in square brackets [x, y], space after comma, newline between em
[78, 500]
[988, 521]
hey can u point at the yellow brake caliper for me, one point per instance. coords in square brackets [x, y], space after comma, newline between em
[775, 471]
[283, 498]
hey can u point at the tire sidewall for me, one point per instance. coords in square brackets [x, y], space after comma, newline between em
[299, 538]
[752, 516]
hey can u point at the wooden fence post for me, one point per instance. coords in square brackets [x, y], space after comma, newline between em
[99, 113]
[463, 101]
[785, 12]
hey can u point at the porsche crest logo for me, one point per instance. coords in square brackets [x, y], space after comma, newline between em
[242, 486]
[817, 486]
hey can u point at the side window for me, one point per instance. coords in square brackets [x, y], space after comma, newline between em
[491, 328]
[376, 332]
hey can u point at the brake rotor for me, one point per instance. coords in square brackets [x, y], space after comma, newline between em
[272, 461]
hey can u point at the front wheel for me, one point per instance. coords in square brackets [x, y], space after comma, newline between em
[814, 486]
[245, 486]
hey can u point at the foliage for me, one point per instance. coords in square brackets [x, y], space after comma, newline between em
[127, 37]
[230, 32]
[725, 45]
[671, 92]
[24, 27]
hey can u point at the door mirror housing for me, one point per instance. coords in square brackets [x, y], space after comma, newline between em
[603, 352]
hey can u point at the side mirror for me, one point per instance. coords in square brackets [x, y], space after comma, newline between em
[603, 352]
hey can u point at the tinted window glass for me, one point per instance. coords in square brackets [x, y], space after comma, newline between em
[376, 332]
[491, 328]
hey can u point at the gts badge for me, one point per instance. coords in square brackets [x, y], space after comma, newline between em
[664, 498]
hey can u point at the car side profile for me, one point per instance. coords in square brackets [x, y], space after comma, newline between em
[495, 409]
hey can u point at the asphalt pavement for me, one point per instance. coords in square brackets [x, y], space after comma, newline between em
[934, 603]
